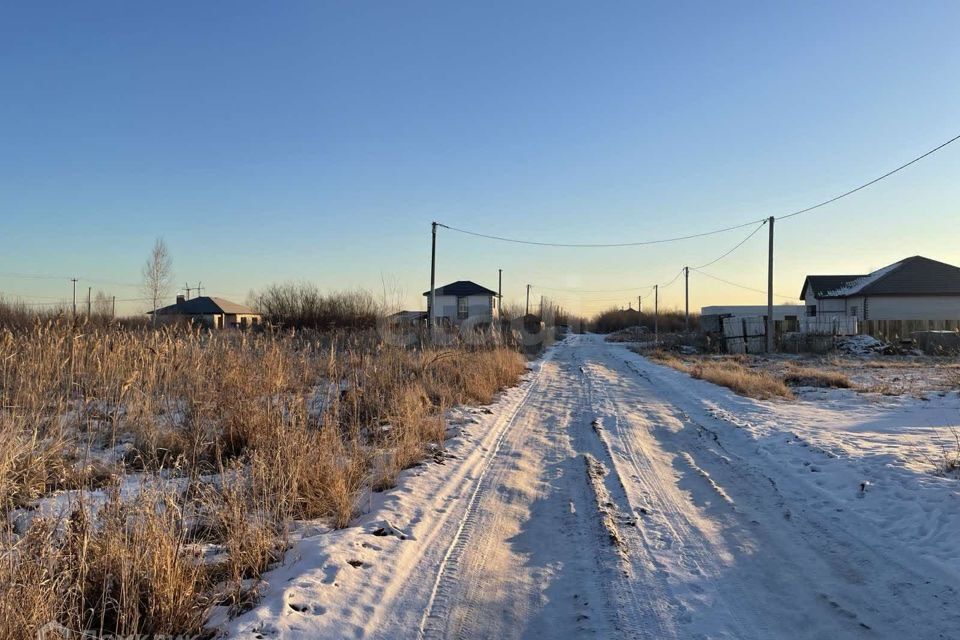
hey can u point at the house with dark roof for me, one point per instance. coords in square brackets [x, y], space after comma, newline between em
[215, 313]
[462, 302]
[915, 288]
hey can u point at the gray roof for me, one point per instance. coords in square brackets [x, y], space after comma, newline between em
[204, 306]
[821, 285]
[915, 276]
[462, 288]
[409, 315]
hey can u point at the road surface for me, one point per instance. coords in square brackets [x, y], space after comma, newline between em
[608, 500]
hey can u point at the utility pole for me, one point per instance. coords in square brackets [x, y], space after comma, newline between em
[113, 308]
[433, 281]
[656, 314]
[640, 304]
[74, 281]
[686, 295]
[89, 289]
[770, 291]
[500, 290]
[541, 307]
[528, 300]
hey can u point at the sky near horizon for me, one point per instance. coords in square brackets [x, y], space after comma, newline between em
[316, 141]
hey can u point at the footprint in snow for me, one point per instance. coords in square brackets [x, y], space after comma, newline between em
[303, 607]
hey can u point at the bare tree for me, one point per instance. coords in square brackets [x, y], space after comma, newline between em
[102, 305]
[157, 275]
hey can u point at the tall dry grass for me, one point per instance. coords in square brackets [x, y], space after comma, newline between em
[231, 436]
[728, 372]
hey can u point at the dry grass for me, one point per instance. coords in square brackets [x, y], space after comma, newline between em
[810, 377]
[233, 435]
[746, 382]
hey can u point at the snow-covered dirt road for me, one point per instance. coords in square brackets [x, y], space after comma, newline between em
[611, 497]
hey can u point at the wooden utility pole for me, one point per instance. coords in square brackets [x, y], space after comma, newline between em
[528, 300]
[500, 290]
[113, 308]
[640, 304]
[656, 314]
[541, 307]
[74, 281]
[89, 289]
[432, 300]
[686, 295]
[769, 327]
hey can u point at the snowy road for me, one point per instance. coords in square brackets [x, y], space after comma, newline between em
[610, 497]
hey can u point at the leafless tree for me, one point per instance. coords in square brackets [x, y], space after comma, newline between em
[102, 305]
[157, 275]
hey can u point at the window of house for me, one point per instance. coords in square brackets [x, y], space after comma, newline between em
[811, 310]
[463, 308]
[853, 310]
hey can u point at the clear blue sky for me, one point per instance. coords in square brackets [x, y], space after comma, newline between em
[317, 140]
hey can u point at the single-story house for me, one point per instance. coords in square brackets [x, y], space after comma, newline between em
[915, 288]
[216, 313]
[407, 318]
[463, 301]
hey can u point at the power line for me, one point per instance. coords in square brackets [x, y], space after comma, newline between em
[874, 181]
[32, 276]
[44, 276]
[598, 245]
[540, 286]
[741, 286]
[737, 246]
[664, 286]
[716, 231]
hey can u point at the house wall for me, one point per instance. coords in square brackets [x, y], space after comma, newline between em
[237, 319]
[913, 307]
[480, 307]
[891, 307]
[828, 306]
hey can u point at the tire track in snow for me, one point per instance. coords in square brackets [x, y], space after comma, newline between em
[840, 578]
[668, 519]
[439, 605]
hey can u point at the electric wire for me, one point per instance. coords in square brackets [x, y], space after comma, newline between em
[741, 286]
[716, 231]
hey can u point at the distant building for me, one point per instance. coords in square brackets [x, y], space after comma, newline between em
[215, 313]
[464, 301]
[407, 318]
[915, 288]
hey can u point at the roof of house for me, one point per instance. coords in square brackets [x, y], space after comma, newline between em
[205, 305]
[822, 284]
[909, 277]
[462, 288]
[409, 315]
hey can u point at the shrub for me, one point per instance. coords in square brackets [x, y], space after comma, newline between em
[809, 377]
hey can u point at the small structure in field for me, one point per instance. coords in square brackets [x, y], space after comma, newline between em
[215, 313]
[464, 302]
[711, 318]
[407, 319]
[915, 288]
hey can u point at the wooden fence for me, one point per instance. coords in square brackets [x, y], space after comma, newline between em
[893, 330]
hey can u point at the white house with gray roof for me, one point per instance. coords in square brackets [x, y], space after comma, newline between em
[464, 302]
[915, 288]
